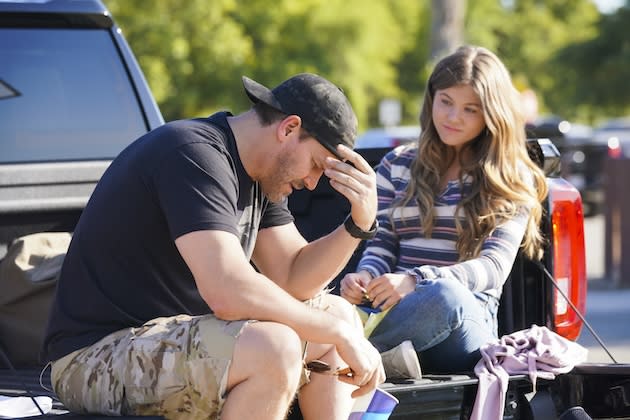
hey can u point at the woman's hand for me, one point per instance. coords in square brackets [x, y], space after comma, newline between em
[353, 286]
[387, 290]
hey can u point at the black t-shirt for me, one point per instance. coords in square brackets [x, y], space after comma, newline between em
[123, 268]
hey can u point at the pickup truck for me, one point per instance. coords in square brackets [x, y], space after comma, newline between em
[73, 96]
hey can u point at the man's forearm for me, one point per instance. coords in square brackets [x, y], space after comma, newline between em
[319, 262]
[254, 296]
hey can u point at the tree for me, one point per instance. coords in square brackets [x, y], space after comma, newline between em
[194, 53]
[447, 26]
[189, 52]
[527, 35]
[351, 42]
[600, 66]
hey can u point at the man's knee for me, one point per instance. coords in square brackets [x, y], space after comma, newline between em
[270, 349]
[342, 309]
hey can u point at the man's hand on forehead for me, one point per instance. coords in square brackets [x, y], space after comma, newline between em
[356, 180]
[352, 158]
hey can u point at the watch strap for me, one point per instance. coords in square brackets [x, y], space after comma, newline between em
[357, 232]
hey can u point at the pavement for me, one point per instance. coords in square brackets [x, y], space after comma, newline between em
[607, 306]
[608, 313]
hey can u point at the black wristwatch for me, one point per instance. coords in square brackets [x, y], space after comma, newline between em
[357, 232]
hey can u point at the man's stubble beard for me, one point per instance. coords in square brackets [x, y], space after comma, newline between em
[279, 176]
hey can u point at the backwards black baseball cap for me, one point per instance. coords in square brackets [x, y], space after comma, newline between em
[325, 111]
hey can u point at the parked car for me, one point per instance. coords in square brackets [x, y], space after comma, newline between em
[387, 136]
[615, 134]
[582, 158]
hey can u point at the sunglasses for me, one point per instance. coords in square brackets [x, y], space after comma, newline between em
[318, 366]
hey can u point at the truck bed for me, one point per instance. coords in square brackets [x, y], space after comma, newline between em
[603, 390]
[434, 396]
[26, 382]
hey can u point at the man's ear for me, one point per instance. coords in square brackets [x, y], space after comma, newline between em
[288, 126]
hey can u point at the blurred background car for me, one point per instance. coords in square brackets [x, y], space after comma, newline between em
[615, 134]
[582, 158]
[387, 136]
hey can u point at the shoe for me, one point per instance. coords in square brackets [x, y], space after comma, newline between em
[575, 413]
[402, 362]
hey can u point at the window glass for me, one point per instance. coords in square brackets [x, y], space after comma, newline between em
[64, 94]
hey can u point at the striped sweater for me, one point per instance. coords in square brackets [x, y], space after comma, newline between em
[402, 247]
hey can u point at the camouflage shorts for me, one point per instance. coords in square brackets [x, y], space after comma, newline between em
[175, 367]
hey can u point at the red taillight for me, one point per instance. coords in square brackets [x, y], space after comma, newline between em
[569, 261]
[614, 152]
[614, 148]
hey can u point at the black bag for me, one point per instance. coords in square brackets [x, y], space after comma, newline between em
[28, 274]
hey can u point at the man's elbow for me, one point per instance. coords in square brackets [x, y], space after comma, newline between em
[225, 308]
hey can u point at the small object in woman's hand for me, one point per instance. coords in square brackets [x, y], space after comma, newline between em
[366, 300]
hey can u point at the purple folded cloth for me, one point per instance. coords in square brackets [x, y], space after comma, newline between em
[537, 352]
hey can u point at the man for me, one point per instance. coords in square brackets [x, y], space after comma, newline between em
[153, 302]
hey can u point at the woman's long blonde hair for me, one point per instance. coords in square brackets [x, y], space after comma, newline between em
[504, 178]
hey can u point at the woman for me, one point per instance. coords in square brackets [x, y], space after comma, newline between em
[453, 211]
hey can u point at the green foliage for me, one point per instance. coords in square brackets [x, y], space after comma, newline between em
[194, 52]
[351, 42]
[600, 66]
[190, 52]
[528, 36]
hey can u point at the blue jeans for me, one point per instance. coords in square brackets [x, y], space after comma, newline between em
[446, 322]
